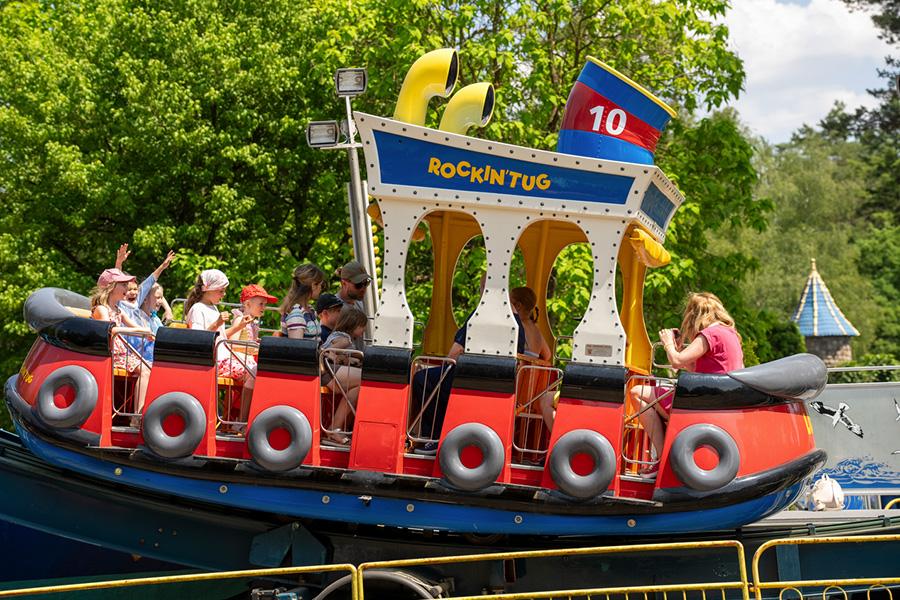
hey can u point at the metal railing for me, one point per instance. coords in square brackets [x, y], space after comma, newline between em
[738, 588]
[254, 574]
[537, 386]
[832, 586]
[131, 372]
[235, 375]
[428, 375]
[340, 370]
[637, 451]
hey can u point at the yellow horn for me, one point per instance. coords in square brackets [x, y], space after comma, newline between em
[433, 74]
[471, 106]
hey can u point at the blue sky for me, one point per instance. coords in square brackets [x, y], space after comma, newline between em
[800, 56]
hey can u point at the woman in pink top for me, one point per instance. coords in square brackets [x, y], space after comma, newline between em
[715, 347]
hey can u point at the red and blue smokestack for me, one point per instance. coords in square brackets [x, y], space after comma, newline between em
[611, 117]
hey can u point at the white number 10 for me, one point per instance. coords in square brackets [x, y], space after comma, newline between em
[615, 120]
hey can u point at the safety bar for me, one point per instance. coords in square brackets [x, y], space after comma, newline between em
[637, 451]
[341, 372]
[536, 388]
[131, 372]
[427, 375]
[234, 379]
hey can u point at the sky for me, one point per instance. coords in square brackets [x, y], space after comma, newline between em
[800, 56]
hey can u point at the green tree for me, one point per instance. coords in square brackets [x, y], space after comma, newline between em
[180, 125]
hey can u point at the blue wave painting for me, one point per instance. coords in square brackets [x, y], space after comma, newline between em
[862, 472]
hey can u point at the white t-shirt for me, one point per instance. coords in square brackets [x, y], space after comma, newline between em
[202, 316]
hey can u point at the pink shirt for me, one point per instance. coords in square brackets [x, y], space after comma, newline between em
[725, 352]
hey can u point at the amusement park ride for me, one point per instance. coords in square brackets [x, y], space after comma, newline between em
[737, 446]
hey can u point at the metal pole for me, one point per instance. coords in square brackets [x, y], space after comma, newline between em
[359, 220]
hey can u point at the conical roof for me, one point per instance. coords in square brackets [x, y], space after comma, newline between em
[818, 315]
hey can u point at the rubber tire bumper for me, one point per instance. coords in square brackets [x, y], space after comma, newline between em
[183, 444]
[280, 417]
[689, 472]
[450, 456]
[74, 415]
[595, 445]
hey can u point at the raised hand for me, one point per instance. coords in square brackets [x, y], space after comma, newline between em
[122, 255]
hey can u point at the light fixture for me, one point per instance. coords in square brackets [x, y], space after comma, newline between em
[322, 134]
[350, 82]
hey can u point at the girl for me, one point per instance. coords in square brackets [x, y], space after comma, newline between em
[344, 378]
[298, 320]
[112, 285]
[714, 347]
[156, 302]
[208, 291]
[524, 304]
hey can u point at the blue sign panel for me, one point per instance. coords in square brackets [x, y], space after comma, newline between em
[657, 206]
[419, 163]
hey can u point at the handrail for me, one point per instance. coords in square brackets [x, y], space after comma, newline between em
[192, 577]
[863, 368]
[422, 363]
[741, 584]
[759, 585]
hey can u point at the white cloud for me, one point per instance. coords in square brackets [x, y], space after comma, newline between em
[799, 59]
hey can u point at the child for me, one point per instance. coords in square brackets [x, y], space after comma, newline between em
[343, 376]
[254, 299]
[135, 299]
[298, 320]
[208, 291]
[328, 311]
[156, 302]
[110, 291]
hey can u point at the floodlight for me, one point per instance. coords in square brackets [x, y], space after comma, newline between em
[350, 82]
[322, 134]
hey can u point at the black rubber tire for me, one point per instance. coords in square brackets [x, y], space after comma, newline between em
[692, 475]
[74, 415]
[595, 445]
[296, 424]
[183, 444]
[486, 440]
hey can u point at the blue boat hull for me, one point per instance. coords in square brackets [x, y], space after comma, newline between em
[373, 509]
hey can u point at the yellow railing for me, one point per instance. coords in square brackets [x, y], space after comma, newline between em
[679, 590]
[719, 590]
[191, 578]
[825, 588]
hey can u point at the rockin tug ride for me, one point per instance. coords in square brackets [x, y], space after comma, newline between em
[737, 445]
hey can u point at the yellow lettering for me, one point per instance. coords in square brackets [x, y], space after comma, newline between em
[498, 177]
[463, 167]
[542, 181]
[527, 182]
[476, 176]
[448, 170]
[434, 165]
[513, 178]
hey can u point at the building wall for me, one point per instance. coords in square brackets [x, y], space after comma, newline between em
[834, 350]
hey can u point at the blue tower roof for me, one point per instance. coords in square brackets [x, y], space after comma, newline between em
[818, 315]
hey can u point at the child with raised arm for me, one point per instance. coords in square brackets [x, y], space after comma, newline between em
[135, 299]
[105, 306]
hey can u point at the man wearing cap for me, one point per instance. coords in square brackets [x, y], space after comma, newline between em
[328, 309]
[354, 283]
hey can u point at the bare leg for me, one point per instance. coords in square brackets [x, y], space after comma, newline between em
[547, 410]
[246, 397]
[143, 382]
[346, 382]
[650, 419]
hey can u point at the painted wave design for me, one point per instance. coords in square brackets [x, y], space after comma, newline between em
[863, 472]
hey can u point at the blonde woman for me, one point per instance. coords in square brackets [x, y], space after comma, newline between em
[706, 343]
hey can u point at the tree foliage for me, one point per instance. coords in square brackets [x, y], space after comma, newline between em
[180, 125]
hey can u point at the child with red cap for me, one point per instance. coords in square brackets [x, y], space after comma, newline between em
[254, 299]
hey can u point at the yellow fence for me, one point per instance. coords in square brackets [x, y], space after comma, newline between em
[828, 588]
[349, 570]
[702, 591]
[353, 581]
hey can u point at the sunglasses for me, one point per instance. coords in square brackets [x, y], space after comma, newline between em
[363, 285]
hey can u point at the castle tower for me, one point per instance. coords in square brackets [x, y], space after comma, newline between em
[821, 322]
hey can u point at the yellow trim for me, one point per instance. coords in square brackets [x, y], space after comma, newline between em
[648, 250]
[635, 85]
[892, 503]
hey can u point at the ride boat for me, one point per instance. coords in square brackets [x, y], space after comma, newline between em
[737, 446]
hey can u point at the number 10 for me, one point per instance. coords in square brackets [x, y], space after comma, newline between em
[615, 120]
